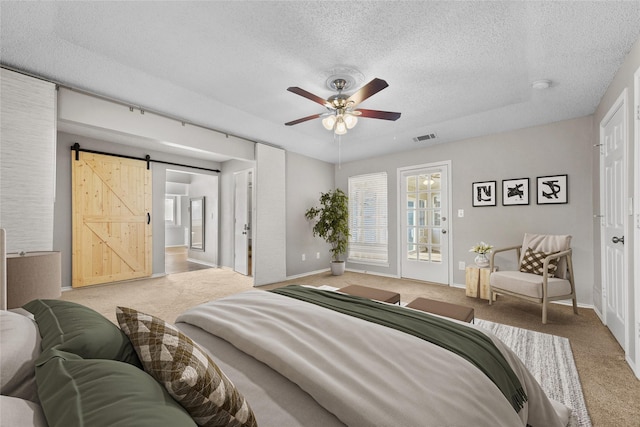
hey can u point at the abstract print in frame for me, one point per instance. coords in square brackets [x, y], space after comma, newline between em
[552, 189]
[515, 191]
[484, 193]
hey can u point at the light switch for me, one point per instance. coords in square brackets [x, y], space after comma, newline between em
[460, 213]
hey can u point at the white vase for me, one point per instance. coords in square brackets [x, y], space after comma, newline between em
[482, 261]
[337, 268]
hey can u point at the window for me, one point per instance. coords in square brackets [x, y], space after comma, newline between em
[170, 210]
[368, 219]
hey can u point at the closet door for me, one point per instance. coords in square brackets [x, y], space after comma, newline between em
[111, 219]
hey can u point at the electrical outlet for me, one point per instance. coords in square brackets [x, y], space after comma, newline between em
[460, 213]
[304, 257]
[461, 265]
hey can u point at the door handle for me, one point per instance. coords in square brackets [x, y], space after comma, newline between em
[615, 239]
[444, 231]
[148, 218]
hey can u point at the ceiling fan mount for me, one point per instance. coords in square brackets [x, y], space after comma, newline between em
[341, 109]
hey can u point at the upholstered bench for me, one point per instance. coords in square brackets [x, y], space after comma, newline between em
[371, 293]
[441, 308]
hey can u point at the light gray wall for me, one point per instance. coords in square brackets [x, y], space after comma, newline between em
[306, 179]
[206, 186]
[622, 80]
[558, 148]
[62, 209]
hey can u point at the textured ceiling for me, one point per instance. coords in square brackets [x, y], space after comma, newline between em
[457, 69]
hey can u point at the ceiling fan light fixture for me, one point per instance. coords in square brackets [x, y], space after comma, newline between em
[329, 122]
[350, 120]
[341, 127]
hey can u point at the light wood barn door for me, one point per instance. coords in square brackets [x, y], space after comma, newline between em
[111, 219]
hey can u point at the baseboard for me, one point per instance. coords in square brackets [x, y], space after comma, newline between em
[599, 314]
[311, 273]
[197, 261]
[633, 366]
[373, 273]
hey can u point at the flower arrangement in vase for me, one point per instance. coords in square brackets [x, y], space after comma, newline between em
[482, 249]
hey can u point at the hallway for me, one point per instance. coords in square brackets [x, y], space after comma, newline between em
[175, 261]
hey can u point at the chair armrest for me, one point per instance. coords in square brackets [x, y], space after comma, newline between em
[510, 248]
[545, 263]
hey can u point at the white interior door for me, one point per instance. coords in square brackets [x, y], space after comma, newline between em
[613, 175]
[424, 224]
[241, 222]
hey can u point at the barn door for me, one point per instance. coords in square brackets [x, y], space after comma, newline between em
[111, 219]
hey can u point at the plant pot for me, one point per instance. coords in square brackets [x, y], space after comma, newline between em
[337, 268]
[482, 261]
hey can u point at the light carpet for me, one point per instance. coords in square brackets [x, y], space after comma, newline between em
[550, 359]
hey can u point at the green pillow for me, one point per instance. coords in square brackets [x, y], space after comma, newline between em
[74, 328]
[95, 393]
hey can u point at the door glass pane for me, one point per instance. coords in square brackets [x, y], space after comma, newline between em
[423, 200]
[411, 218]
[412, 253]
[436, 181]
[411, 235]
[423, 182]
[411, 183]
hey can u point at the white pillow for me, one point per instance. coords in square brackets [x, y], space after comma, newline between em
[20, 344]
[18, 413]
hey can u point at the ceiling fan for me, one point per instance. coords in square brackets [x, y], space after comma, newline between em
[342, 113]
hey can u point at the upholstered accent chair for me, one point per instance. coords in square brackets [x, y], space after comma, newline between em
[545, 271]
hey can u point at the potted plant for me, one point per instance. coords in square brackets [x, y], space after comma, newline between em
[332, 224]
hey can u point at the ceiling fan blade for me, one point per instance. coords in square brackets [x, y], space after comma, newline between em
[304, 119]
[371, 88]
[376, 114]
[309, 95]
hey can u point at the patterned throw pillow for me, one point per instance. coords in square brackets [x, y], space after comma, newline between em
[532, 262]
[187, 372]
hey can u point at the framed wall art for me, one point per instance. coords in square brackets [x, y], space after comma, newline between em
[515, 191]
[484, 193]
[552, 189]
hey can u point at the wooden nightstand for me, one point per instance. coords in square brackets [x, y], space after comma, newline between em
[477, 282]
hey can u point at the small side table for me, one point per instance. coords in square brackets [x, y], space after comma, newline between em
[477, 282]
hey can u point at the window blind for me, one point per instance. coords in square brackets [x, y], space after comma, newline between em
[368, 224]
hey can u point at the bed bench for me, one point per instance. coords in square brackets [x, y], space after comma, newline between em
[371, 293]
[441, 308]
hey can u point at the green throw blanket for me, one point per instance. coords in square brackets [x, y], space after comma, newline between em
[466, 342]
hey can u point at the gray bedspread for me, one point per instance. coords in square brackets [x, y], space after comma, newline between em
[366, 374]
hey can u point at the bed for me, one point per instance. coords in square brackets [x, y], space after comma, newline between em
[299, 357]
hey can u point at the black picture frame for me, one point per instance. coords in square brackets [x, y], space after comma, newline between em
[483, 193]
[552, 189]
[515, 192]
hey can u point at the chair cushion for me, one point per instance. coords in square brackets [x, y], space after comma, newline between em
[548, 243]
[528, 284]
[532, 262]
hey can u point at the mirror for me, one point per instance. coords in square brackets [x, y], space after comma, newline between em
[196, 223]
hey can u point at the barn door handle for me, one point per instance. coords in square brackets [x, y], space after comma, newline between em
[148, 218]
[618, 239]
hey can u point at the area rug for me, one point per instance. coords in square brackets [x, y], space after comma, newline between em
[550, 359]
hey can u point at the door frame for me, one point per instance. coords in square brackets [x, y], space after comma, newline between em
[636, 235]
[621, 103]
[449, 193]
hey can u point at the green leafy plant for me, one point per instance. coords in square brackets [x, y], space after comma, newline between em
[332, 221]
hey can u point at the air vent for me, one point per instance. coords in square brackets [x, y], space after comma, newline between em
[426, 137]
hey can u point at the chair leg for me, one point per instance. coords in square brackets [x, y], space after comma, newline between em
[575, 305]
[544, 312]
[490, 297]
